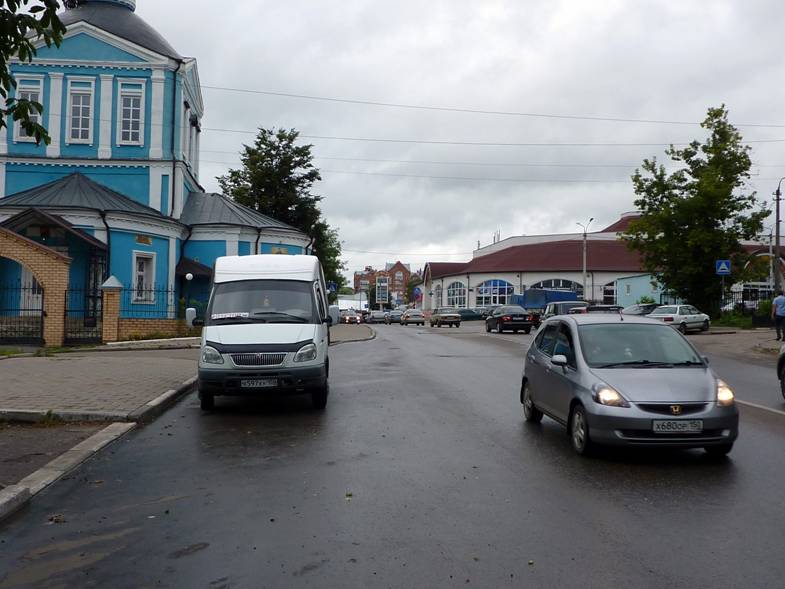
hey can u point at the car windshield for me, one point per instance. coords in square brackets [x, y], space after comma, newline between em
[262, 301]
[664, 311]
[635, 345]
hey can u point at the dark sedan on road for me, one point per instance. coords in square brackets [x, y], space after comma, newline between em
[626, 381]
[393, 317]
[510, 318]
[470, 315]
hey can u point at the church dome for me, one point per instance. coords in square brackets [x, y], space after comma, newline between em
[118, 18]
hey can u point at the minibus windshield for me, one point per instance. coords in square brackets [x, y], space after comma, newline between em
[262, 301]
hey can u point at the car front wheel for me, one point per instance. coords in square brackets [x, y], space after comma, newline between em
[530, 412]
[206, 401]
[683, 327]
[782, 384]
[705, 326]
[579, 431]
[319, 396]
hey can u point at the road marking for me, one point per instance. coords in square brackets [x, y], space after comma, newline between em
[763, 407]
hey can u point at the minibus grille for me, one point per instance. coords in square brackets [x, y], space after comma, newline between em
[259, 359]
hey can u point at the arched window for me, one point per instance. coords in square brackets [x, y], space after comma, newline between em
[560, 284]
[456, 295]
[494, 292]
[437, 297]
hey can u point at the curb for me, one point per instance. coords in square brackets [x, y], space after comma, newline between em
[152, 409]
[144, 414]
[354, 341]
[13, 498]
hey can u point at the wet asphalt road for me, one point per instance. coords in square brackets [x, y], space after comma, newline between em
[420, 473]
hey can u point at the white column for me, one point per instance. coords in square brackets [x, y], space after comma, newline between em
[177, 193]
[156, 177]
[2, 179]
[198, 152]
[157, 118]
[232, 245]
[106, 117]
[172, 271]
[55, 113]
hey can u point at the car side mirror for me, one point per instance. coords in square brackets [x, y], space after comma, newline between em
[190, 318]
[706, 359]
[559, 360]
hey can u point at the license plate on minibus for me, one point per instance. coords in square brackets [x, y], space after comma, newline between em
[259, 383]
[678, 426]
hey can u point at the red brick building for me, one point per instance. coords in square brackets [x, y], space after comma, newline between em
[396, 275]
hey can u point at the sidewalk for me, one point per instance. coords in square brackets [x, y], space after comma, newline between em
[343, 334]
[751, 343]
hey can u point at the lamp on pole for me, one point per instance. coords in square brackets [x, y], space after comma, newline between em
[777, 270]
[585, 231]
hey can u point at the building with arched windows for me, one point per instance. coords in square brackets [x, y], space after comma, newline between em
[513, 265]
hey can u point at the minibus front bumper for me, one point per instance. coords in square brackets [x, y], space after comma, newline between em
[254, 382]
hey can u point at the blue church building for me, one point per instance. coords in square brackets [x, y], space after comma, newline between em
[118, 190]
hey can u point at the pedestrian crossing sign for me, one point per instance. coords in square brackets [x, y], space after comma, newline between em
[723, 267]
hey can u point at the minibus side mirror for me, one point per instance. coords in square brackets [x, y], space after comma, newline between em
[190, 318]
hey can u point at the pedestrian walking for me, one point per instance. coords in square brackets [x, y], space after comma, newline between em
[778, 314]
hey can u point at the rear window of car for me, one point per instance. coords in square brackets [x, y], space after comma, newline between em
[515, 309]
[664, 311]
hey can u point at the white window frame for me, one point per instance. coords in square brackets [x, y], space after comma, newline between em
[628, 289]
[148, 296]
[185, 140]
[69, 140]
[136, 93]
[457, 295]
[19, 136]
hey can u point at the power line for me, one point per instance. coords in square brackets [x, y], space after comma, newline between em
[480, 143]
[406, 254]
[468, 110]
[476, 179]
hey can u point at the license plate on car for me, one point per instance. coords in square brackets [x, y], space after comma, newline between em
[259, 383]
[518, 317]
[678, 426]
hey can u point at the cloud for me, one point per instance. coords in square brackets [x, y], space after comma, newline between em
[663, 60]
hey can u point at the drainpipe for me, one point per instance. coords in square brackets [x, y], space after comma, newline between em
[309, 247]
[174, 128]
[258, 238]
[182, 245]
[108, 245]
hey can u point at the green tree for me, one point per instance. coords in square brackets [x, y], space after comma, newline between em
[697, 214]
[276, 179]
[22, 24]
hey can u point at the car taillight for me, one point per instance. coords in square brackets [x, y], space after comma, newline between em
[667, 318]
[506, 318]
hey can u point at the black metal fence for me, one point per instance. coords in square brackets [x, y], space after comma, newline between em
[22, 315]
[149, 303]
[83, 316]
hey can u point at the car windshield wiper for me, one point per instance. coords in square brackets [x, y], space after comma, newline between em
[281, 314]
[639, 363]
[237, 319]
[687, 363]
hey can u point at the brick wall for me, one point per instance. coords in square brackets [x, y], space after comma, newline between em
[50, 269]
[129, 329]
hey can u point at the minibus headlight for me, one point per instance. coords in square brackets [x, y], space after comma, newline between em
[306, 353]
[211, 356]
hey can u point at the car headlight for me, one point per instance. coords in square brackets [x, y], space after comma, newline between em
[606, 395]
[306, 353]
[211, 356]
[725, 397]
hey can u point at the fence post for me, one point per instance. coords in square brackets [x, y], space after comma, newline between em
[111, 309]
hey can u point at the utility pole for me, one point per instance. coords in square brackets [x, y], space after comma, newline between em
[585, 277]
[777, 269]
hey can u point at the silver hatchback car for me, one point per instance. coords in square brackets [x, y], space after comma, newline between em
[625, 380]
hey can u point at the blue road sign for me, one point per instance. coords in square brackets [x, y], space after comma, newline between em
[723, 267]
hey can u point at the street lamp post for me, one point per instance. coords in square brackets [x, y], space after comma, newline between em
[585, 231]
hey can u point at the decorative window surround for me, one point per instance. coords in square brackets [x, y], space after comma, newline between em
[81, 87]
[131, 101]
[157, 126]
[30, 87]
[105, 118]
[143, 268]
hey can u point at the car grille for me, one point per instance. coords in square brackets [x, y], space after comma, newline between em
[665, 408]
[259, 359]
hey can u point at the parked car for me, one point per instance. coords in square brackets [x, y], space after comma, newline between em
[781, 370]
[376, 317]
[511, 318]
[393, 316]
[352, 317]
[445, 316]
[561, 308]
[682, 317]
[483, 311]
[640, 309]
[413, 316]
[626, 381]
[470, 315]
[596, 309]
[488, 309]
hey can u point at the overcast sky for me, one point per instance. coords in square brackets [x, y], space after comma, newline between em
[654, 60]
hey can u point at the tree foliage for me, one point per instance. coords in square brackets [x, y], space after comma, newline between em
[697, 214]
[276, 179]
[22, 24]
